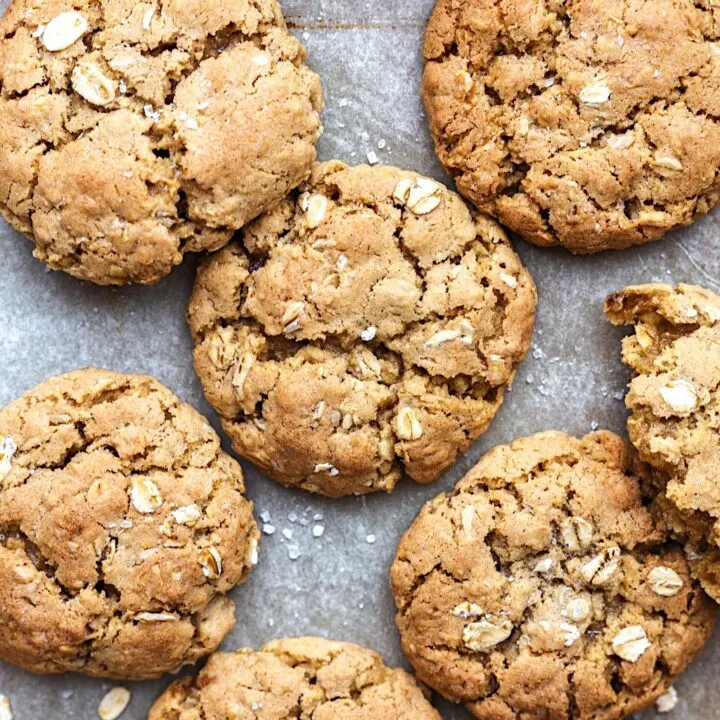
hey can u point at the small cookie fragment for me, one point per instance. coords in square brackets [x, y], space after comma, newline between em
[123, 526]
[366, 326]
[564, 574]
[296, 679]
[533, 113]
[134, 133]
[674, 401]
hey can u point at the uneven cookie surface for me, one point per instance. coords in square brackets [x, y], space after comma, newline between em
[303, 678]
[540, 588]
[122, 526]
[370, 323]
[592, 125]
[136, 131]
[675, 403]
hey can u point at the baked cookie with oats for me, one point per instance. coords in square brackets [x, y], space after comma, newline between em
[122, 527]
[305, 679]
[674, 399]
[134, 132]
[592, 125]
[368, 324]
[540, 588]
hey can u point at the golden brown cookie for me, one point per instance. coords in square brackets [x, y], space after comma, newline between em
[133, 132]
[369, 324]
[541, 589]
[675, 403]
[304, 678]
[122, 526]
[592, 125]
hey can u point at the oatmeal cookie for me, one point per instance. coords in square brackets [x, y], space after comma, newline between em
[133, 132]
[304, 678]
[122, 526]
[675, 402]
[592, 125]
[369, 323]
[540, 588]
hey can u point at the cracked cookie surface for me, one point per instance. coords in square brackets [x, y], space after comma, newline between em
[674, 398]
[573, 123]
[122, 526]
[540, 587]
[304, 678]
[369, 323]
[134, 132]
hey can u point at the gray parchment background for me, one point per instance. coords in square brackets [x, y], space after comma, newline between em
[368, 53]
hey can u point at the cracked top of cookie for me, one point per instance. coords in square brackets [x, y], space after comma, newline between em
[136, 131]
[592, 125]
[304, 678]
[122, 526]
[675, 403]
[369, 323]
[540, 587]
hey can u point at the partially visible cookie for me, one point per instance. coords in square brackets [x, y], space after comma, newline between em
[541, 589]
[299, 679]
[134, 132]
[592, 125]
[675, 402]
[368, 324]
[122, 526]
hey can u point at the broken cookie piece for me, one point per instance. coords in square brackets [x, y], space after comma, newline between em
[296, 679]
[367, 325]
[674, 353]
[122, 527]
[133, 133]
[541, 588]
